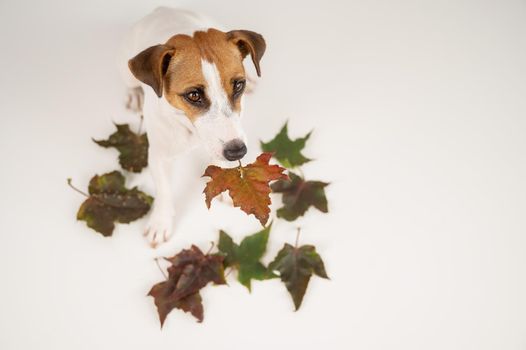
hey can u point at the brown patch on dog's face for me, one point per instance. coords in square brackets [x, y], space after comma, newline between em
[184, 76]
[186, 87]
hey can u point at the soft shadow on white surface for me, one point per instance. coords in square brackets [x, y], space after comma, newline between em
[418, 113]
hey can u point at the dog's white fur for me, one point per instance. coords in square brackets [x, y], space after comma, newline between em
[170, 132]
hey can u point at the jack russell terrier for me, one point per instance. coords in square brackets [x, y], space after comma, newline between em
[188, 79]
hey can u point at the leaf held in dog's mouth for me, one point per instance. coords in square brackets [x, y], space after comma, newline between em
[248, 185]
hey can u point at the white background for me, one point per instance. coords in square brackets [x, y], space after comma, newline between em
[419, 117]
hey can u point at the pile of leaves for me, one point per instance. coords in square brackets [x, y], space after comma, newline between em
[108, 201]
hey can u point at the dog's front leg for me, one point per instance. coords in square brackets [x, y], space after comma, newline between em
[160, 224]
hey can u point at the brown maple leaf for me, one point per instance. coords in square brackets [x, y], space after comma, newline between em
[248, 186]
[109, 201]
[190, 271]
[162, 292]
[132, 147]
[296, 266]
[299, 195]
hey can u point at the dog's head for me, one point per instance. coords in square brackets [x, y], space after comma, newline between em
[203, 77]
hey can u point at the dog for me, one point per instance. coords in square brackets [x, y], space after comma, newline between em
[187, 79]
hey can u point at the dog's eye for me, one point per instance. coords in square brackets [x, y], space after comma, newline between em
[194, 96]
[239, 86]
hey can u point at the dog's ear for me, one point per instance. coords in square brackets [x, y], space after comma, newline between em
[150, 66]
[249, 43]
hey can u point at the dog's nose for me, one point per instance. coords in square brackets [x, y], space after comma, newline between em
[234, 150]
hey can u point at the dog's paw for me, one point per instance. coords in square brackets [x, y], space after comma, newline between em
[135, 99]
[159, 229]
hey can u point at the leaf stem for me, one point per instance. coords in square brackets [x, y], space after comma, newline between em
[159, 266]
[297, 237]
[228, 273]
[211, 247]
[240, 168]
[76, 189]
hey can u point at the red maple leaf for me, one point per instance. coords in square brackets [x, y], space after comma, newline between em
[248, 186]
[191, 270]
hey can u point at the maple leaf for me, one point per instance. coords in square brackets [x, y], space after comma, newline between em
[248, 186]
[245, 256]
[299, 195]
[161, 293]
[287, 151]
[109, 201]
[296, 266]
[191, 270]
[133, 148]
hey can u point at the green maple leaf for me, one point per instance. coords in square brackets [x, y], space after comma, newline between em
[109, 201]
[245, 256]
[296, 266]
[299, 195]
[287, 151]
[133, 148]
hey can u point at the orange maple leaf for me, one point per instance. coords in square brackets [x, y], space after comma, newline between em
[248, 186]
